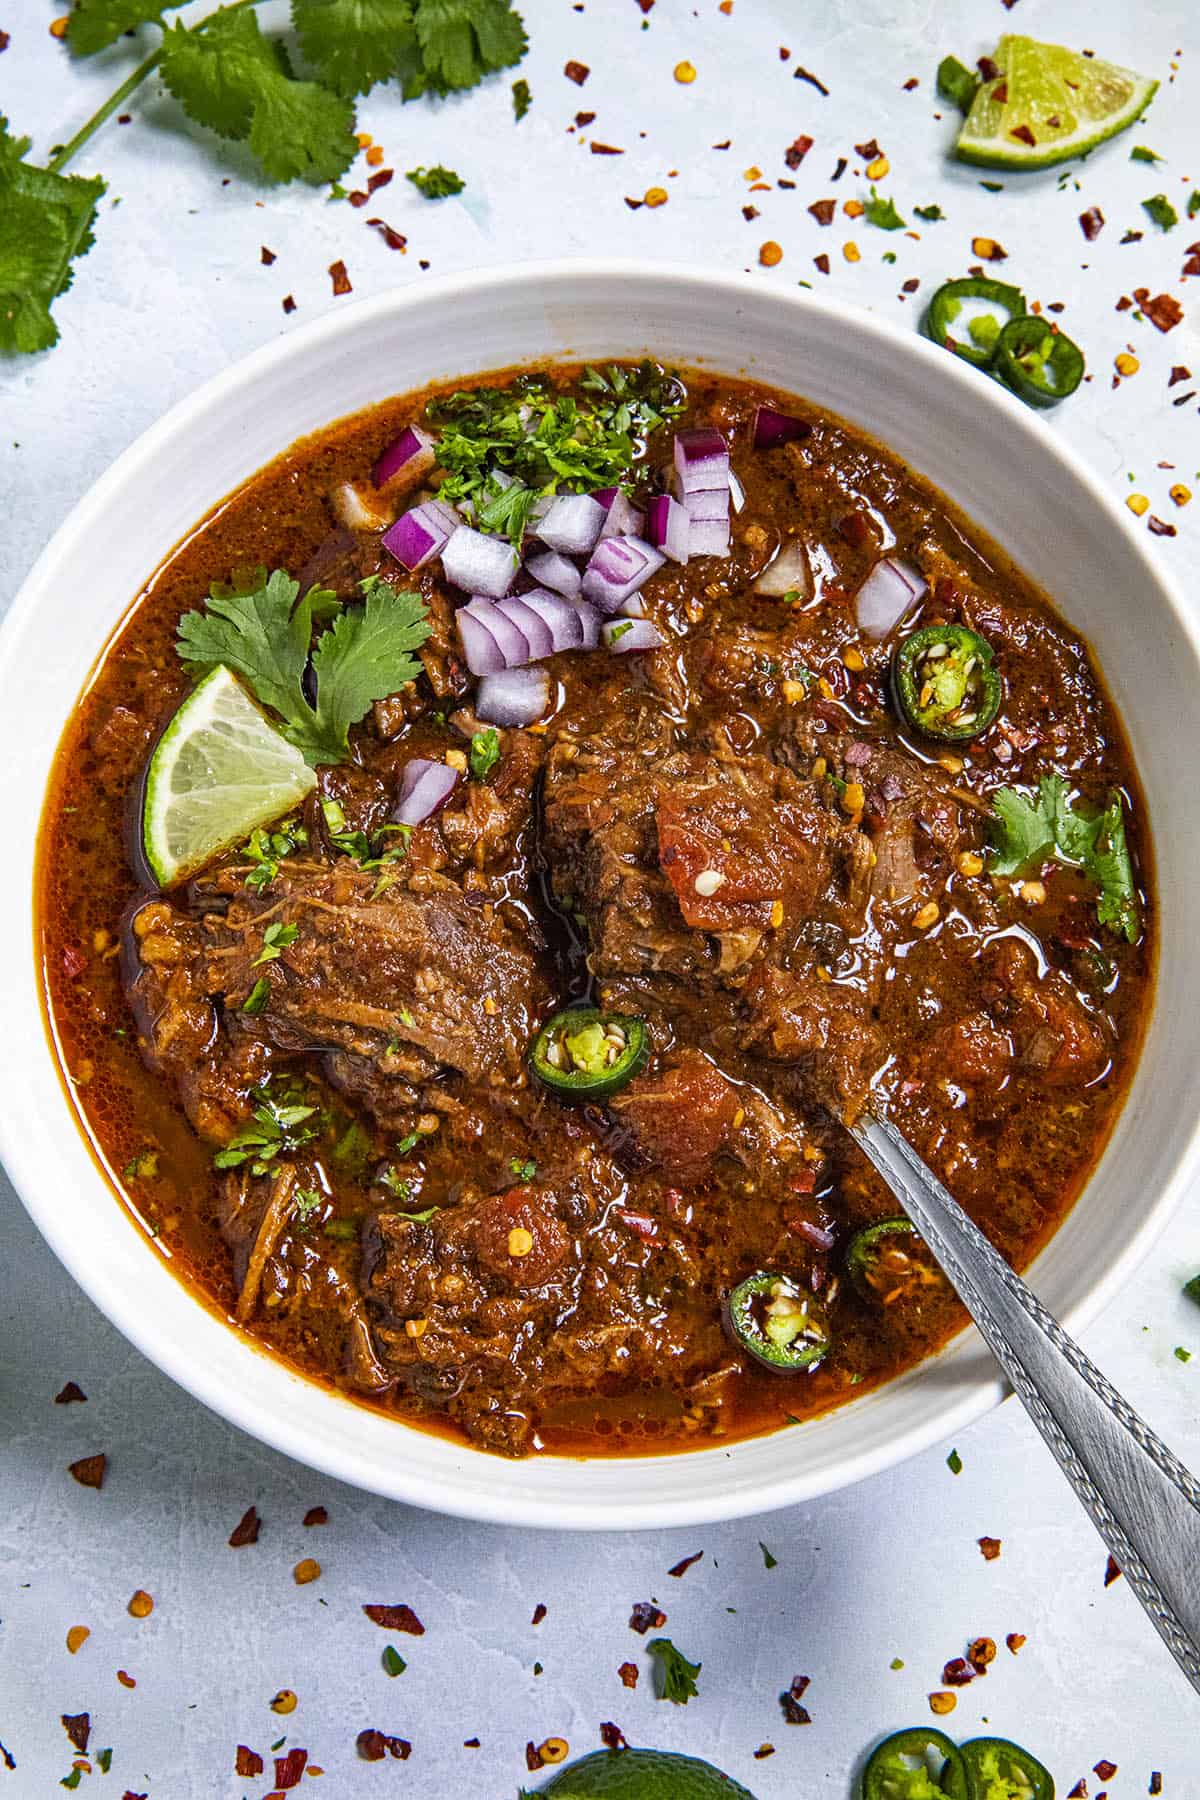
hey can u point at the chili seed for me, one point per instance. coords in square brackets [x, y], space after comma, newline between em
[1033, 892]
[685, 73]
[969, 862]
[942, 1702]
[776, 914]
[415, 1328]
[851, 252]
[520, 1241]
[854, 209]
[554, 1750]
[770, 254]
[878, 169]
[708, 881]
[1180, 494]
[284, 1702]
[77, 1636]
[655, 196]
[927, 915]
[1137, 503]
[141, 1604]
[854, 797]
[305, 1571]
[1125, 364]
[853, 659]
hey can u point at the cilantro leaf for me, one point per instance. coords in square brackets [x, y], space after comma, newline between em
[1111, 867]
[436, 183]
[1022, 832]
[352, 44]
[957, 83]
[485, 752]
[256, 1000]
[677, 1674]
[45, 223]
[882, 212]
[95, 24]
[280, 1122]
[931, 213]
[276, 939]
[264, 637]
[1161, 211]
[461, 41]
[229, 77]
[522, 99]
[1026, 831]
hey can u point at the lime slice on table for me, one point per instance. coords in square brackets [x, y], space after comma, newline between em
[1048, 104]
[642, 1775]
[219, 770]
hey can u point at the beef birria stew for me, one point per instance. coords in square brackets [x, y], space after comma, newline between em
[512, 837]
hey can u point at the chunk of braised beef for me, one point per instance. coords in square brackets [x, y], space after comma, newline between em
[1056, 1039]
[820, 1030]
[680, 1116]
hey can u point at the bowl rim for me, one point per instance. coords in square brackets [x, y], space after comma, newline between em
[472, 1498]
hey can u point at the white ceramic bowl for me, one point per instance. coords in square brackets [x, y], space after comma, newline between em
[1003, 466]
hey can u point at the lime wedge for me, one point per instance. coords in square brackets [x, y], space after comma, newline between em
[1048, 104]
[641, 1775]
[219, 770]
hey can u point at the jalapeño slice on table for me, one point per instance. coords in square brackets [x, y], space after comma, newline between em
[945, 683]
[968, 316]
[1039, 364]
[918, 1764]
[1000, 1770]
[777, 1322]
[888, 1261]
[586, 1054]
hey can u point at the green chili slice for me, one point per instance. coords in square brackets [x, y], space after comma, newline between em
[586, 1054]
[1039, 364]
[999, 1770]
[780, 1325]
[918, 1764]
[945, 683]
[888, 1261]
[974, 340]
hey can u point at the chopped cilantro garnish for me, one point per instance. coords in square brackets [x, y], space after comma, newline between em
[954, 1463]
[352, 1149]
[389, 845]
[677, 1675]
[407, 1143]
[393, 1662]
[889, 256]
[142, 1167]
[1182, 1355]
[1026, 831]
[485, 752]
[72, 1780]
[882, 212]
[104, 1760]
[265, 849]
[305, 1202]
[1161, 211]
[256, 628]
[281, 1122]
[618, 631]
[929, 213]
[1193, 205]
[436, 183]
[276, 939]
[256, 1000]
[956, 83]
[524, 1169]
[522, 98]
[769, 1561]
[1139, 153]
[897, 1662]
[993, 187]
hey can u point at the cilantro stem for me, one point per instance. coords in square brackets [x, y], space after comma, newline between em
[132, 82]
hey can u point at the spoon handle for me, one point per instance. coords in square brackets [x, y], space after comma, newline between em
[1143, 1502]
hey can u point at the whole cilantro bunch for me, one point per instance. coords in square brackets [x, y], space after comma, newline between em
[230, 77]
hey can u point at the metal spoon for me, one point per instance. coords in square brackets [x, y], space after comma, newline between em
[1142, 1501]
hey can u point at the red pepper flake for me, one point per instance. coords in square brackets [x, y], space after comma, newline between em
[289, 1768]
[911, 285]
[682, 1567]
[71, 1392]
[911, 83]
[763, 1751]
[78, 1727]
[605, 149]
[289, 305]
[379, 179]
[724, 146]
[373, 1746]
[1192, 265]
[539, 1613]
[74, 962]
[1163, 310]
[629, 1674]
[785, 54]
[470, 1743]
[1091, 223]
[1015, 1640]
[646, 1616]
[796, 151]
[989, 1548]
[1178, 373]
[266, 257]
[1104, 1769]
[988, 70]
[640, 1224]
[130, 1795]
[1155, 1782]
[869, 151]
[316, 1515]
[633, 204]
[358, 197]
[533, 1756]
[339, 277]
[822, 263]
[839, 169]
[793, 1712]
[612, 1737]
[958, 1672]
[584, 118]
[823, 211]
[646, 5]
[749, 213]
[1124, 303]
[247, 1761]
[1112, 1571]
[1160, 527]
[126, 1679]
[5, 40]
[1079, 1791]
[577, 72]
[89, 1470]
[396, 1618]
[395, 240]
[246, 1530]
[807, 75]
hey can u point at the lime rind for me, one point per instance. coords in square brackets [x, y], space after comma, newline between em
[219, 770]
[642, 1775]
[1067, 102]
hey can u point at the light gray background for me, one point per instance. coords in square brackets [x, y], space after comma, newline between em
[173, 291]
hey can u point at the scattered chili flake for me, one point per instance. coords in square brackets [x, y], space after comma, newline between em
[341, 281]
[823, 211]
[316, 1515]
[1123, 304]
[1126, 364]
[1137, 503]
[981, 1651]
[247, 1761]
[851, 251]
[1160, 528]
[74, 962]
[988, 249]
[5, 40]
[796, 151]
[654, 196]
[790, 1699]
[470, 1743]
[911, 83]
[1015, 1641]
[141, 1604]
[1180, 494]
[958, 1672]
[306, 1570]
[942, 1703]
[373, 1746]
[685, 73]
[284, 1702]
[539, 1613]
[840, 168]
[78, 1727]
[358, 197]
[629, 1674]
[807, 75]
[634, 205]
[289, 305]
[246, 1530]
[763, 1751]
[266, 257]
[911, 285]
[770, 254]
[89, 1470]
[749, 213]
[72, 1391]
[1104, 1769]
[58, 27]
[289, 1768]
[1112, 1571]
[646, 5]
[682, 1567]
[396, 1618]
[577, 72]
[612, 1737]
[584, 118]
[1079, 1791]
[822, 263]
[725, 146]
[1163, 311]
[395, 240]
[533, 1756]
[989, 1548]
[77, 1637]
[869, 151]
[599, 149]
[1091, 223]
[126, 1679]
[1021, 132]
[1155, 1782]
[646, 1616]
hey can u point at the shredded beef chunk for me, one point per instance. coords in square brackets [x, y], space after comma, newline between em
[681, 1117]
[1056, 1039]
[821, 1028]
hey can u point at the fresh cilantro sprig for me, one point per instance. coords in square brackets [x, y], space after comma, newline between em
[281, 1121]
[677, 1676]
[1027, 831]
[485, 752]
[45, 223]
[256, 628]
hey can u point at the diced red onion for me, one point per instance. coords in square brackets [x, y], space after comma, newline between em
[572, 524]
[556, 571]
[589, 618]
[668, 526]
[481, 652]
[424, 787]
[358, 510]
[411, 455]
[513, 697]
[618, 568]
[514, 645]
[816, 1234]
[709, 537]
[737, 493]
[530, 623]
[789, 573]
[561, 620]
[772, 427]
[701, 460]
[707, 504]
[479, 564]
[421, 534]
[606, 496]
[626, 635]
[890, 591]
[622, 518]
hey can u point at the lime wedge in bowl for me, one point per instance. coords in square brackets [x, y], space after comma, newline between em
[219, 770]
[1048, 104]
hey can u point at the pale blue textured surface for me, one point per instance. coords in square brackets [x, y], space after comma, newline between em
[174, 290]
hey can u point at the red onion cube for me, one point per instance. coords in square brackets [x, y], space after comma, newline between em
[424, 787]
[572, 524]
[626, 635]
[889, 592]
[667, 527]
[555, 571]
[772, 427]
[623, 518]
[531, 623]
[701, 460]
[707, 503]
[589, 619]
[513, 697]
[479, 564]
[421, 534]
[358, 509]
[618, 568]
[560, 619]
[481, 653]
[708, 537]
[411, 455]
[514, 645]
